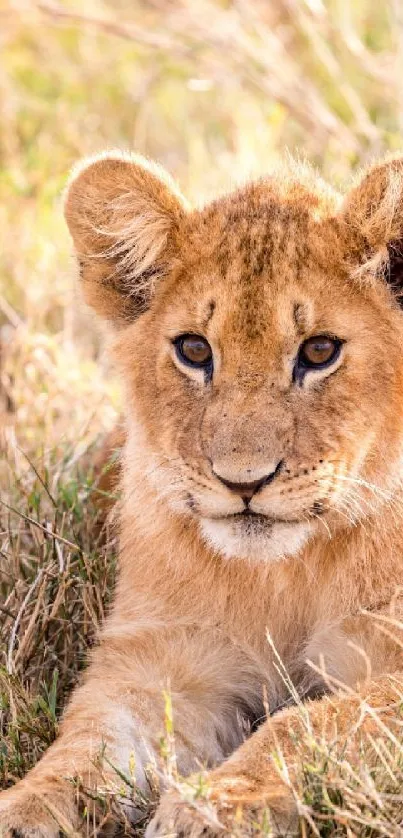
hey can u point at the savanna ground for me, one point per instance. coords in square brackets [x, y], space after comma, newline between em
[216, 91]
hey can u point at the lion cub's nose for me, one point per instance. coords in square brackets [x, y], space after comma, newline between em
[248, 489]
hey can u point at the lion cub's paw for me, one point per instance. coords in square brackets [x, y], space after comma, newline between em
[229, 808]
[176, 818]
[23, 815]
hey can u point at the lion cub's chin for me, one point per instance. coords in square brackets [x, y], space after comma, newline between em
[260, 540]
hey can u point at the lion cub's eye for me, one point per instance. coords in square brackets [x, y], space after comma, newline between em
[318, 352]
[194, 351]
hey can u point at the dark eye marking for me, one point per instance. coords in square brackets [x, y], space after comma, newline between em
[209, 313]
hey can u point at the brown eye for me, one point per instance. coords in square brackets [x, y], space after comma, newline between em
[318, 352]
[194, 351]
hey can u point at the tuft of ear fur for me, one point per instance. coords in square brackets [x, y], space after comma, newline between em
[373, 212]
[123, 213]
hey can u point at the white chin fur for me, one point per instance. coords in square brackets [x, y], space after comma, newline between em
[267, 544]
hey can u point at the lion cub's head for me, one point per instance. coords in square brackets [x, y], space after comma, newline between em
[261, 341]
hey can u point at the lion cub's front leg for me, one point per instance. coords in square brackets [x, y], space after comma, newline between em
[112, 730]
[81, 763]
[257, 785]
[241, 797]
[103, 739]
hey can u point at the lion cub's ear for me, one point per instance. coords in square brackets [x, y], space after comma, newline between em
[374, 214]
[124, 214]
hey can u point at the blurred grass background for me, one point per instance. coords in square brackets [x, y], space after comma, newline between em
[217, 91]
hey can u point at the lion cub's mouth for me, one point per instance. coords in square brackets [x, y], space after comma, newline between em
[247, 515]
[250, 522]
[250, 515]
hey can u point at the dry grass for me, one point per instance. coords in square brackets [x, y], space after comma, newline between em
[216, 90]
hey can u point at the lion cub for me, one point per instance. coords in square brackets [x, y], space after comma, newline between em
[260, 341]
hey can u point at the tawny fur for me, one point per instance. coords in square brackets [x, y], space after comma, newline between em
[256, 273]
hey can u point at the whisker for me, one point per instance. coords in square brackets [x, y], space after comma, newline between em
[394, 503]
[371, 486]
[324, 523]
[355, 503]
[354, 515]
[345, 515]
